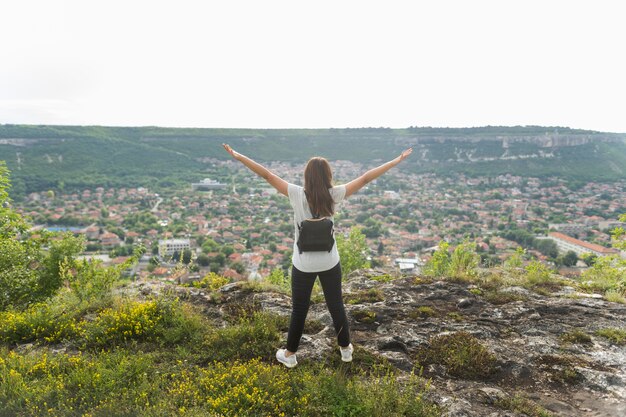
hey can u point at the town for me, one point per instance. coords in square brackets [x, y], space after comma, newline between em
[234, 224]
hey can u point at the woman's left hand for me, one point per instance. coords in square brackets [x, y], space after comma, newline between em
[231, 151]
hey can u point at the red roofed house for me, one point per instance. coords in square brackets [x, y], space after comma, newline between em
[109, 240]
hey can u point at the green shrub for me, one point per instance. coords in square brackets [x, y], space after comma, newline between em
[538, 274]
[523, 405]
[453, 315]
[277, 277]
[498, 297]
[384, 278]
[575, 336]
[615, 335]
[462, 354]
[211, 281]
[438, 264]
[515, 261]
[379, 394]
[364, 316]
[615, 296]
[462, 264]
[373, 295]
[255, 337]
[422, 312]
[464, 261]
[161, 321]
[608, 273]
[562, 368]
[353, 250]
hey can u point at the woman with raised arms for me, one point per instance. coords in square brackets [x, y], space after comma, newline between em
[317, 199]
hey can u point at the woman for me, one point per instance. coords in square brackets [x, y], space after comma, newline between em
[318, 196]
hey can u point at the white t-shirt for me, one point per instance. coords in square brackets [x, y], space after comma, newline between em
[311, 261]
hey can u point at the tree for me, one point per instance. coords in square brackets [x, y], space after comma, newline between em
[28, 273]
[588, 258]
[186, 256]
[353, 250]
[570, 258]
[203, 260]
[239, 267]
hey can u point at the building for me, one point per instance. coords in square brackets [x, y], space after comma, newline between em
[568, 228]
[411, 265]
[167, 247]
[110, 240]
[207, 184]
[566, 243]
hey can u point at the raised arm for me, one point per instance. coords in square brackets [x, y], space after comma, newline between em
[358, 183]
[273, 179]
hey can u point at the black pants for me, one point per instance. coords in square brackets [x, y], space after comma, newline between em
[301, 287]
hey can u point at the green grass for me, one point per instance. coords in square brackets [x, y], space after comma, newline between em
[576, 337]
[562, 368]
[521, 404]
[614, 335]
[462, 354]
[502, 297]
[227, 373]
[384, 278]
[373, 295]
[161, 356]
[422, 312]
[364, 316]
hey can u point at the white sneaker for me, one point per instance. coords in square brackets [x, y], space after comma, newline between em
[288, 361]
[346, 353]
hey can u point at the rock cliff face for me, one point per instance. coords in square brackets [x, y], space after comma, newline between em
[544, 141]
[530, 340]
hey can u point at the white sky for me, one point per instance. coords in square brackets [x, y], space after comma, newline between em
[281, 64]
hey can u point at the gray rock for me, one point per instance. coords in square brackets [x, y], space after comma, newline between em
[464, 303]
[490, 395]
[230, 287]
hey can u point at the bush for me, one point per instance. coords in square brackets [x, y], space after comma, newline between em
[28, 272]
[615, 335]
[462, 264]
[211, 281]
[538, 274]
[576, 337]
[353, 251]
[277, 277]
[116, 322]
[608, 273]
[373, 295]
[254, 337]
[462, 354]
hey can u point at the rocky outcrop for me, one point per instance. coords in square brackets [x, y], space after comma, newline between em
[398, 319]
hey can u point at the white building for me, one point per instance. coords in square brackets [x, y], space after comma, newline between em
[167, 247]
[566, 243]
[207, 184]
[409, 264]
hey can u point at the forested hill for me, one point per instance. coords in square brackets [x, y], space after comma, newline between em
[68, 157]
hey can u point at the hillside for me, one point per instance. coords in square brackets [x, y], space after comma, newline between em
[423, 347]
[74, 157]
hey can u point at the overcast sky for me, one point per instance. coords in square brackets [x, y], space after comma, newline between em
[283, 64]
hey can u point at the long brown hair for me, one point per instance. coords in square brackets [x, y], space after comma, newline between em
[317, 180]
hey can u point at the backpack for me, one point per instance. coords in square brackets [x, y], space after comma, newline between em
[316, 235]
